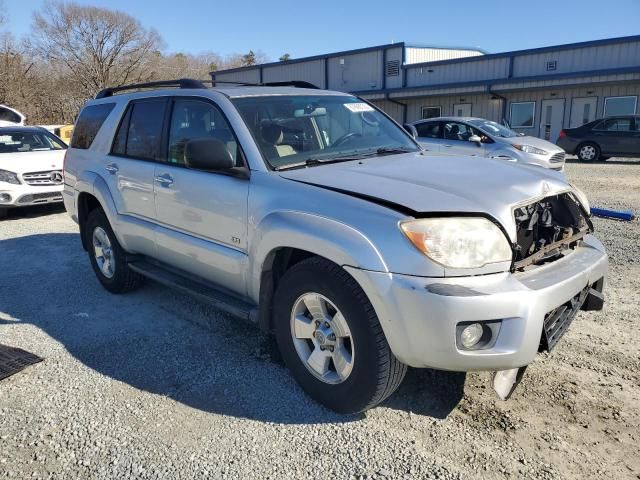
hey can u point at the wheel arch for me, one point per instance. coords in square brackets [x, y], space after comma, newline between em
[93, 193]
[286, 238]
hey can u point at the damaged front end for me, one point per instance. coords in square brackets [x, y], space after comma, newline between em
[547, 229]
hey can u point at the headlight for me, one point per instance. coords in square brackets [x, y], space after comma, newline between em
[530, 149]
[458, 242]
[9, 177]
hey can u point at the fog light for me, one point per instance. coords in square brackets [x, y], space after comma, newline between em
[471, 335]
[5, 198]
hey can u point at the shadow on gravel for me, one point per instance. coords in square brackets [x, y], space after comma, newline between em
[33, 212]
[611, 161]
[142, 340]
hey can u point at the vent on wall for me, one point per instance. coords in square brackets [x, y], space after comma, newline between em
[393, 68]
[552, 65]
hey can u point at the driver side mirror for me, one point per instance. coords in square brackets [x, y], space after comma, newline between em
[411, 130]
[208, 154]
[475, 139]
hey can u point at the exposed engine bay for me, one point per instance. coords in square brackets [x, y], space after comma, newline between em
[547, 228]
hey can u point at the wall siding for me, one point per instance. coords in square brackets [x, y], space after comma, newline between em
[362, 71]
[458, 72]
[246, 76]
[619, 55]
[312, 72]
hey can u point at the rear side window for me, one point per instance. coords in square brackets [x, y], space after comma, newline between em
[89, 123]
[615, 125]
[429, 130]
[140, 132]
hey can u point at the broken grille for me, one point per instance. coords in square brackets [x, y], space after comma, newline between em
[557, 321]
[548, 228]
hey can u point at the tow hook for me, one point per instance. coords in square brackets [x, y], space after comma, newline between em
[506, 381]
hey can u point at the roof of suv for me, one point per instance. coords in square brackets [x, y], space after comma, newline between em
[229, 91]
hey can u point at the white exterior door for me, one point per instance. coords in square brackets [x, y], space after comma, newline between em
[551, 119]
[583, 110]
[462, 110]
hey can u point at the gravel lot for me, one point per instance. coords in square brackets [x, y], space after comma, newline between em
[134, 386]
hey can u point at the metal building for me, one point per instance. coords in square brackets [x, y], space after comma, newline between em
[538, 91]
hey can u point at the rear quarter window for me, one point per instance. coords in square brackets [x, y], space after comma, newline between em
[89, 123]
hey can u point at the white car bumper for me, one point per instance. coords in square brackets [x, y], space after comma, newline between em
[27, 195]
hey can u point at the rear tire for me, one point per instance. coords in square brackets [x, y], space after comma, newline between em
[588, 152]
[341, 331]
[107, 257]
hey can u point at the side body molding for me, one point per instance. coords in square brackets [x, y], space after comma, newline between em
[322, 236]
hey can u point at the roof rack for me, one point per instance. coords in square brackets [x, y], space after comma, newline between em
[191, 83]
[181, 83]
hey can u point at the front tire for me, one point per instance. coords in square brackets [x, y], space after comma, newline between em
[3, 212]
[107, 257]
[588, 152]
[331, 340]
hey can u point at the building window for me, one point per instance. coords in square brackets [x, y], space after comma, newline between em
[393, 68]
[431, 112]
[620, 106]
[522, 114]
[552, 65]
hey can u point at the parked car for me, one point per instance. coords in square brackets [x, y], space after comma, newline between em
[485, 138]
[603, 138]
[317, 216]
[10, 117]
[30, 167]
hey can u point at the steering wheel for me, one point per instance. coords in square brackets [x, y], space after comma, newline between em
[345, 138]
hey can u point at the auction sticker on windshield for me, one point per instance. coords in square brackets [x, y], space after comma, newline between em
[359, 107]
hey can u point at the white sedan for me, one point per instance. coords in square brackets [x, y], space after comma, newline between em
[31, 161]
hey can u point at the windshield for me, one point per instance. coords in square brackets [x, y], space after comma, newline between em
[299, 130]
[16, 141]
[493, 128]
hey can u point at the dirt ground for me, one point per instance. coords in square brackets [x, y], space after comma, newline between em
[134, 387]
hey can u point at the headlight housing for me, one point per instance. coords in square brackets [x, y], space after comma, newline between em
[530, 149]
[9, 177]
[582, 197]
[459, 242]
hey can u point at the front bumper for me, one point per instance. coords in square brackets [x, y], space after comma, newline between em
[419, 315]
[27, 195]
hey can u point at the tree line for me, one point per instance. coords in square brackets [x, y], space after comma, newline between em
[73, 51]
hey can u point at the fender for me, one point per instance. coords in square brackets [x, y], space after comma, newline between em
[328, 238]
[94, 184]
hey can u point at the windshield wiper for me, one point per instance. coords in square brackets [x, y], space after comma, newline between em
[393, 150]
[313, 161]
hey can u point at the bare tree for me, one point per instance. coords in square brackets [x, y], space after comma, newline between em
[95, 47]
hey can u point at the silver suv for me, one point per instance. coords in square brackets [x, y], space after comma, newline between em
[316, 216]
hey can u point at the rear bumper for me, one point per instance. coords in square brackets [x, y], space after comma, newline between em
[26, 195]
[568, 144]
[420, 315]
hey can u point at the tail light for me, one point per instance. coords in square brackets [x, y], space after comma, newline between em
[562, 134]
[64, 161]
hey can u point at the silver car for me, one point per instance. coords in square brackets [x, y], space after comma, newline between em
[315, 215]
[485, 138]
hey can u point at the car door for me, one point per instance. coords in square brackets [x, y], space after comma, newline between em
[429, 135]
[202, 216]
[130, 169]
[456, 137]
[615, 136]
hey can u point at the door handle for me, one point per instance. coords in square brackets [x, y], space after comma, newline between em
[164, 180]
[448, 146]
[112, 168]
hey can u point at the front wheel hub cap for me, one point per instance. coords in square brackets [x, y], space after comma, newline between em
[103, 252]
[322, 338]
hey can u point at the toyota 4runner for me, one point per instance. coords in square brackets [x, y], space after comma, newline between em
[315, 215]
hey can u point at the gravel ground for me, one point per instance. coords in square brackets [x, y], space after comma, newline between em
[135, 386]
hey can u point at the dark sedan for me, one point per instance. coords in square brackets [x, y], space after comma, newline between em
[608, 137]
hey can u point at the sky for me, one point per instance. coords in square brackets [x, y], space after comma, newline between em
[309, 28]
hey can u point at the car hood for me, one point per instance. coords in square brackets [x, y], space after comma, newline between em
[534, 142]
[421, 183]
[24, 162]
